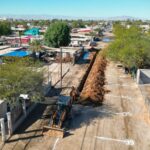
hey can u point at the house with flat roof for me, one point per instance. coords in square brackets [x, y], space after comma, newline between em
[32, 32]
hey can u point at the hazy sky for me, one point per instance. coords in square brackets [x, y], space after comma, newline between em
[78, 8]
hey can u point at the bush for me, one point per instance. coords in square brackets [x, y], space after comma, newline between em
[16, 79]
[26, 61]
[131, 47]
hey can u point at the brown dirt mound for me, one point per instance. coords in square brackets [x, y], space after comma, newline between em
[93, 90]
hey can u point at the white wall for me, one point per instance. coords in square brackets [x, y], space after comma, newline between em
[3, 109]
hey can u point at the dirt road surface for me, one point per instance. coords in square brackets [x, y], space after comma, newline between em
[29, 135]
[122, 123]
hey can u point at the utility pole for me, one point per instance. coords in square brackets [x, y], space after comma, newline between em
[20, 38]
[48, 73]
[92, 34]
[60, 67]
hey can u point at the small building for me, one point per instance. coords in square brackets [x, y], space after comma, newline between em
[78, 40]
[17, 29]
[68, 53]
[18, 40]
[85, 30]
[145, 27]
[32, 32]
[3, 41]
[75, 30]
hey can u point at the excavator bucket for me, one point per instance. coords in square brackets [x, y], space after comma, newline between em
[53, 132]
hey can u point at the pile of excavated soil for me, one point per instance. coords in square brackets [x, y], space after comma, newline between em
[93, 90]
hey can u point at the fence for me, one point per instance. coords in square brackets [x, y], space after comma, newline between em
[7, 128]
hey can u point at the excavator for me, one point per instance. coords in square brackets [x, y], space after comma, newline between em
[58, 117]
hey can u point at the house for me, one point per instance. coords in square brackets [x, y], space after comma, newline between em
[32, 32]
[19, 28]
[3, 41]
[79, 39]
[68, 53]
[145, 27]
[85, 30]
[17, 40]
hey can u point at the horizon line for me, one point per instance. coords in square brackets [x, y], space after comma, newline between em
[123, 17]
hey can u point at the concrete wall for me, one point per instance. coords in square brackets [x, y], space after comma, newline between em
[143, 76]
[46, 88]
[23, 117]
[16, 112]
[3, 109]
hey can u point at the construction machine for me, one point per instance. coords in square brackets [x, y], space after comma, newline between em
[58, 117]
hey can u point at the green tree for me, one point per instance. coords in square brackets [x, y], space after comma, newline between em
[58, 34]
[35, 47]
[78, 24]
[5, 28]
[131, 47]
[75, 24]
[16, 79]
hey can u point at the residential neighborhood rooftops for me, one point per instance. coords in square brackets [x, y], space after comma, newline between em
[33, 31]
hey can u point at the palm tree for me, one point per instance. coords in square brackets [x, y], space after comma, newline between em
[35, 47]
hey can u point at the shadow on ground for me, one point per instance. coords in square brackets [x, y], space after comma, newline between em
[84, 115]
[56, 91]
[37, 113]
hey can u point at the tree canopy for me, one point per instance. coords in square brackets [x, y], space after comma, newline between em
[78, 24]
[35, 46]
[16, 79]
[131, 46]
[58, 34]
[5, 28]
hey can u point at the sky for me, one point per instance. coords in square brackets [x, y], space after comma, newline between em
[77, 8]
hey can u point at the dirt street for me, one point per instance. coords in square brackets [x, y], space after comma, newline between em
[29, 135]
[122, 123]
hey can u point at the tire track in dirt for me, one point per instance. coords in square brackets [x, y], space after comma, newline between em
[126, 119]
[83, 137]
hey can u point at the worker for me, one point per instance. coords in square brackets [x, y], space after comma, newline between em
[73, 94]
